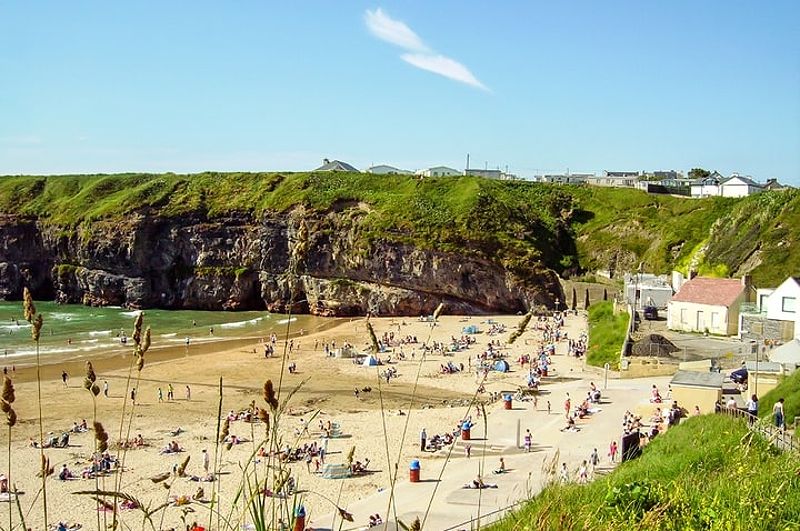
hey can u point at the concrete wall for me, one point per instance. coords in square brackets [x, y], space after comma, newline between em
[759, 327]
[704, 398]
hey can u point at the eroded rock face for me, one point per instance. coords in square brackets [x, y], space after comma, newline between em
[309, 262]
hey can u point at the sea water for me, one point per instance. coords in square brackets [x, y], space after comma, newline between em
[73, 329]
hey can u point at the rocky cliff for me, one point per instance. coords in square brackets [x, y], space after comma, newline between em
[308, 260]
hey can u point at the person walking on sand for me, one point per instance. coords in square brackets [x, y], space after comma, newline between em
[594, 460]
[105, 388]
[612, 451]
[567, 406]
[564, 473]
[528, 440]
[188, 393]
[170, 392]
[206, 461]
[160, 395]
[133, 395]
[548, 407]
[423, 438]
[583, 473]
[64, 377]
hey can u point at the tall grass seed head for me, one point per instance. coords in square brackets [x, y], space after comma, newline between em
[28, 308]
[36, 327]
[438, 311]
[11, 418]
[8, 390]
[269, 395]
[137, 328]
[146, 341]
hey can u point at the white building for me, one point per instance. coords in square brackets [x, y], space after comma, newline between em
[707, 186]
[644, 289]
[438, 171]
[738, 186]
[784, 303]
[708, 304]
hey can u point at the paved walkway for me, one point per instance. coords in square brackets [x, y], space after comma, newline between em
[452, 504]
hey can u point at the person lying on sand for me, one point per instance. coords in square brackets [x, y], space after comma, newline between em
[570, 426]
[478, 483]
[171, 448]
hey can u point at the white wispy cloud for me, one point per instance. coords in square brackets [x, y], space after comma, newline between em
[419, 54]
[444, 66]
[394, 31]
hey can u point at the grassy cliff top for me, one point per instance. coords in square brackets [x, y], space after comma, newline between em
[567, 228]
[701, 474]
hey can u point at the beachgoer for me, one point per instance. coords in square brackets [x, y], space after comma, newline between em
[160, 395]
[528, 440]
[612, 451]
[206, 460]
[64, 377]
[170, 392]
[548, 407]
[752, 408]
[423, 437]
[594, 459]
[133, 395]
[583, 473]
[188, 393]
[564, 473]
[777, 412]
[105, 388]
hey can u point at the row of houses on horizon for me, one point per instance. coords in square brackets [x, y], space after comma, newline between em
[658, 182]
[434, 171]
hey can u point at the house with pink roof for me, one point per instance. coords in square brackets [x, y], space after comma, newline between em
[709, 305]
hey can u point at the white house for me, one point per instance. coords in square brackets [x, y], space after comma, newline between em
[383, 169]
[708, 304]
[739, 186]
[784, 303]
[707, 186]
[438, 171]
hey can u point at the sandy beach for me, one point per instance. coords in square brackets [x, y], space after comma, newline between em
[439, 403]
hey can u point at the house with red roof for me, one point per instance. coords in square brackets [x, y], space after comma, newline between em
[709, 305]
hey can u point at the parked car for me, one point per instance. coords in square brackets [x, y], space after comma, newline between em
[650, 313]
[739, 376]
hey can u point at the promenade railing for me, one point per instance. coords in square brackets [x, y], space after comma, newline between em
[780, 438]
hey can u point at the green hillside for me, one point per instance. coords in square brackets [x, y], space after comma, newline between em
[789, 390]
[702, 474]
[569, 229]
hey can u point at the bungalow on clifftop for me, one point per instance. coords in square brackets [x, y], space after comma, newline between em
[708, 305]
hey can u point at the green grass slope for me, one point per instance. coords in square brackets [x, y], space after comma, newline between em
[702, 474]
[789, 390]
[607, 332]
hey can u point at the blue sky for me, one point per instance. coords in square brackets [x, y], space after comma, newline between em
[535, 86]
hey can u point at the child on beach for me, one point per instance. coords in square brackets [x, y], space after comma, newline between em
[528, 440]
[612, 451]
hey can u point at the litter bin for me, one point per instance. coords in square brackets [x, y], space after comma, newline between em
[300, 519]
[413, 471]
[465, 431]
[507, 401]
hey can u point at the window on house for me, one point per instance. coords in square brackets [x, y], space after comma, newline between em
[788, 304]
